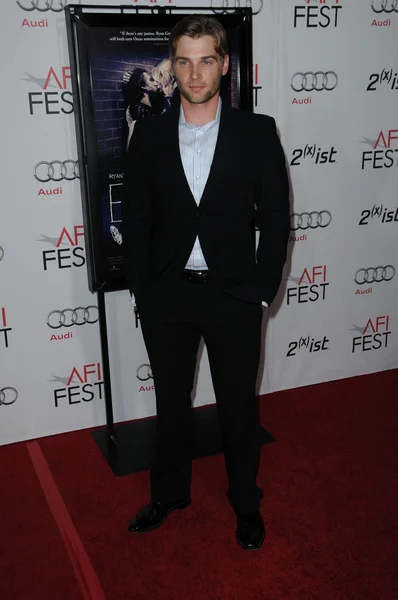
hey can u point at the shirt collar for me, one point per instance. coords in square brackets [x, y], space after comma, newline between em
[215, 121]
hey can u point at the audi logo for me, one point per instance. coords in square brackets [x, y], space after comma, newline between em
[385, 6]
[44, 5]
[144, 372]
[1, 253]
[8, 395]
[225, 6]
[314, 82]
[56, 170]
[374, 275]
[310, 220]
[72, 316]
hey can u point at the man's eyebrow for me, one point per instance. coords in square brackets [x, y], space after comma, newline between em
[201, 58]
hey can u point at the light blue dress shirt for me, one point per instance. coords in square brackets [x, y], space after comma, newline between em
[197, 146]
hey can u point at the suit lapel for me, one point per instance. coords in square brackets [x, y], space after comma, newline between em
[175, 155]
[222, 154]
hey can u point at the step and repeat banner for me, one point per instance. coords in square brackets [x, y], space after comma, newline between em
[327, 71]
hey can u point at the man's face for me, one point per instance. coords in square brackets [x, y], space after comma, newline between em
[150, 84]
[198, 68]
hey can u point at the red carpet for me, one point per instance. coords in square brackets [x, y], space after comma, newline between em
[330, 506]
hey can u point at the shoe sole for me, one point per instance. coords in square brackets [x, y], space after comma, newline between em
[251, 547]
[177, 507]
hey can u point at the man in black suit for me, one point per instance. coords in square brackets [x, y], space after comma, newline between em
[197, 180]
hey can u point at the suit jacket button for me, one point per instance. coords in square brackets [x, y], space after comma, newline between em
[199, 215]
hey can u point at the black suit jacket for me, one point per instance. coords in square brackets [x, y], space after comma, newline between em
[247, 186]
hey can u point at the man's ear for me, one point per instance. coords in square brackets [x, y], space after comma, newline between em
[225, 65]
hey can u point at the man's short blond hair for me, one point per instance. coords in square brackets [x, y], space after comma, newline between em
[197, 26]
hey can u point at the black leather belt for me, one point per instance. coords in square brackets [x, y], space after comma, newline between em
[195, 276]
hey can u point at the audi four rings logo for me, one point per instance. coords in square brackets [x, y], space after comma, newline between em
[56, 170]
[385, 6]
[225, 6]
[310, 220]
[72, 316]
[44, 5]
[374, 275]
[1, 253]
[8, 395]
[314, 82]
[144, 372]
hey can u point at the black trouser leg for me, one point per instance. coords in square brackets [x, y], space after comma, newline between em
[172, 349]
[233, 346]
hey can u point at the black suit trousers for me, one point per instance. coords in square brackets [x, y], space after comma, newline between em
[231, 330]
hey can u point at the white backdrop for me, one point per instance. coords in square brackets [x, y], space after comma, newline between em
[327, 71]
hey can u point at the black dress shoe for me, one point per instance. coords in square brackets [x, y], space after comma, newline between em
[250, 531]
[154, 514]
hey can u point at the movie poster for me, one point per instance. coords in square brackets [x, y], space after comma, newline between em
[130, 78]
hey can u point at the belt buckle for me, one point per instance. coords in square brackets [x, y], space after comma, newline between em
[197, 276]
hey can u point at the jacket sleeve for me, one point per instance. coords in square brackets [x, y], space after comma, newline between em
[136, 213]
[272, 215]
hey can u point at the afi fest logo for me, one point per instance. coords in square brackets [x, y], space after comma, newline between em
[312, 81]
[41, 7]
[318, 13]
[144, 374]
[311, 286]
[83, 385]
[318, 155]
[4, 328]
[371, 276]
[384, 10]
[310, 344]
[71, 317]
[55, 96]
[305, 221]
[64, 258]
[374, 335]
[55, 172]
[387, 78]
[384, 152]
